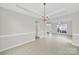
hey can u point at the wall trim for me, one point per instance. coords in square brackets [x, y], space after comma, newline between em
[76, 34]
[16, 45]
[17, 34]
[75, 44]
[19, 44]
[63, 34]
[18, 12]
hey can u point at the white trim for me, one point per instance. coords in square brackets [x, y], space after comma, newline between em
[16, 45]
[28, 10]
[63, 34]
[12, 35]
[76, 34]
[18, 12]
[75, 44]
[56, 12]
[18, 34]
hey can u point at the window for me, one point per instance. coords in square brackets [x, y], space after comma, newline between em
[62, 28]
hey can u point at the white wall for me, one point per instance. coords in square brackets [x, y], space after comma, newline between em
[75, 30]
[15, 28]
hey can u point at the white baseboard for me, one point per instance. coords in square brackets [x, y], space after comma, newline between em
[75, 44]
[16, 45]
[15, 36]
[75, 36]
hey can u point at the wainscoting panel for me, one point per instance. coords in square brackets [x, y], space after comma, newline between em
[14, 40]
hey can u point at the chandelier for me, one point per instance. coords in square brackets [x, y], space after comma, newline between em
[44, 17]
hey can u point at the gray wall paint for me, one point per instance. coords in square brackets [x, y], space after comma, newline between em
[75, 30]
[12, 22]
[76, 23]
[15, 23]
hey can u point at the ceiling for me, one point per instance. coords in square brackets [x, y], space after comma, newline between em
[36, 10]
